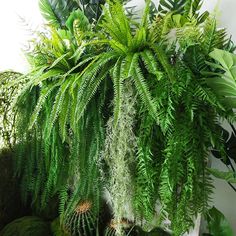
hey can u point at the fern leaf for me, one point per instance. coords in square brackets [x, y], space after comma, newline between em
[56, 109]
[144, 23]
[43, 96]
[145, 191]
[212, 37]
[53, 73]
[150, 63]
[118, 90]
[116, 23]
[63, 116]
[161, 56]
[90, 74]
[58, 60]
[142, 87]
[84, 96]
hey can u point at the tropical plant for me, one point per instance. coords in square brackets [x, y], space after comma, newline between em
[121, 111]
[57, 12]
[223, 79]
[227, 156]
[217, 223]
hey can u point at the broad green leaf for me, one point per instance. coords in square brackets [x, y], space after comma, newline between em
[224, 84]
[218, 224]
[226, 59]
[229, 176]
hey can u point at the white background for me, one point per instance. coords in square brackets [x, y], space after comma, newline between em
[14, 35]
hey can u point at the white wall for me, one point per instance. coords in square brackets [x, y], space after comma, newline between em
[14, 35]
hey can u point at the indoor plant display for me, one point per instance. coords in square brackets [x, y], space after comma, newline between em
[121, 111]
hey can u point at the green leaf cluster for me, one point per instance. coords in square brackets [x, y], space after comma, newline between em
[121, 111]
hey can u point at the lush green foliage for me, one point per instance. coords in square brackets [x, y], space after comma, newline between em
[217, 223]
[56, 12]
[227, 156]
[120, 110]
[229, 176]
[223, 79]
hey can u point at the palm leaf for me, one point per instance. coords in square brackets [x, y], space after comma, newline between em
[171, 6]
[56, 12]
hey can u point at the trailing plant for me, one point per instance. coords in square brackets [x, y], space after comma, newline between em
[119, 153]
[122, 111]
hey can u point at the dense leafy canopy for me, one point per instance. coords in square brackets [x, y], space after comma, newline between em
[123, 111]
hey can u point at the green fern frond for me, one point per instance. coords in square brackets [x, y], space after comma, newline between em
[56, 109]
[142, 88]
[64, 117]
[162, 58]
[212, 37]
[118, 90]
[151, 64]
[84, 98]
[42, 99]
[145, 186]
[116, 23]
